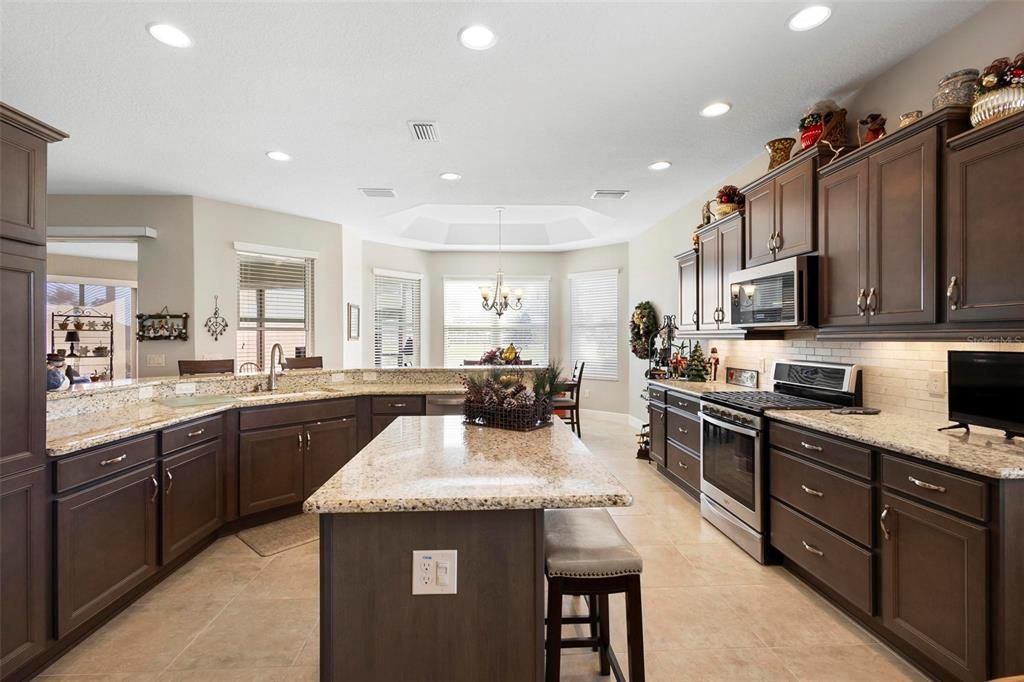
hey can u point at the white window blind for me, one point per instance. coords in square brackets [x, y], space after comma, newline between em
[470, 331]
[396, 320]
[275, 305]
[593, 322]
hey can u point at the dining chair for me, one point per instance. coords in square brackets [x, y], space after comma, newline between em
[571, 403]
[186, 367]
[315, 362]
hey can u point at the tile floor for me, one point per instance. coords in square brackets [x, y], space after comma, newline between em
[710, 612]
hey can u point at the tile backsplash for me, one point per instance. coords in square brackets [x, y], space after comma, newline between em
[896, 374]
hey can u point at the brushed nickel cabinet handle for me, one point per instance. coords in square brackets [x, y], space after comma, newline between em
[681, 464]
[927, 486]
[156, 488]
[397, 404]
[811, 548]
[812, 491]
[694, 317]
[309, 438]
[682, 430]
[777, 241]
[953, 293]
[809, 446]
[199, 432]
[860, 302]
[881, 521]
[170, 482]
[114, 460]
[771, 247]
[300, 440]
[872, 301]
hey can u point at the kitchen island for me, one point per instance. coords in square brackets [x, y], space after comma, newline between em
[433, 483]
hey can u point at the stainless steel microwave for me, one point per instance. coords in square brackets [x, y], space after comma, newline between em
[780, 295]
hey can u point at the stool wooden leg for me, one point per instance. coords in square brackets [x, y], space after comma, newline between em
[592, 613]
[553, 663]
[634, 629]
[604, 632]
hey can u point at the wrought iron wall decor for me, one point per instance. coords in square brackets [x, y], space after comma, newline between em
[216, 324]
[163, 326]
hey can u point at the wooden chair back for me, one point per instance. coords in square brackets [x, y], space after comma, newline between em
[470, 363]
[206, 367]
[315, 362]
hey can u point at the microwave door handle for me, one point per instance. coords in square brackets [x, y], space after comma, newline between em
[731, 427]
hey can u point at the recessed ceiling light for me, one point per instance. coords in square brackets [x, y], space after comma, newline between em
[169, 35]
[809, 17]
[450, 176]
[477, 37]
[279, 156]
[660, 165]
[715, 109]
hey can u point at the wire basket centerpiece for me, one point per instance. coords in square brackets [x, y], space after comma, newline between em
[503, 400]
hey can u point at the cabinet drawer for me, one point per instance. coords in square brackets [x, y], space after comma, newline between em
[81, 469]
[833, 499]
[192, 433]
[949, 491]
[398, 404]
[850, 458]
[683, 464]
[683, 429]
[656, 395]
[279, 415]
[683, 402]
[838, 563]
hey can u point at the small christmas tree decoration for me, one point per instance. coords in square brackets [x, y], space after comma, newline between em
[696, 366]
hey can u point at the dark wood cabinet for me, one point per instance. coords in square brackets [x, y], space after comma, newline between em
[193, 504]
[843, 245]
[106, 544]
[657, 421]
[381, 422]
[25, 568]
[23, 142]
[270, 465]
[720, 255]
[934, 585]
[731, 261]
[985, 222]
[689, 298]
[780, 208]
[760, 228]
[329, 446]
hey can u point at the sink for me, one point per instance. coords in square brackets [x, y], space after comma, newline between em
[196, 400]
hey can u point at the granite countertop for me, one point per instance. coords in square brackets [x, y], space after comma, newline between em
[441, 464]
[696, 388]
[982, 451]
[78, 432]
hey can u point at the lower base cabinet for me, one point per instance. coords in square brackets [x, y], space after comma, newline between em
[193, 504]
[107, 542]
[270, 469]
[329, 446]
[657, 421]
[24, 559]
[934, 585]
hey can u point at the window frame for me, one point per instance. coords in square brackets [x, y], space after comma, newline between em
[417, 323]
[613, 327]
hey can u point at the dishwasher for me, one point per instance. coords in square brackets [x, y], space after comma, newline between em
[444, 404]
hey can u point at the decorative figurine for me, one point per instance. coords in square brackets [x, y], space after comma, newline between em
[705, 213]
[696, 369]
[824, 122]
[713, 361]
[875, 129]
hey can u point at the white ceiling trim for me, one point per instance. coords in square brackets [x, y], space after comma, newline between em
[123, 233]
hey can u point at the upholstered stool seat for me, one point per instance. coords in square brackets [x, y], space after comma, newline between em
[586, 554]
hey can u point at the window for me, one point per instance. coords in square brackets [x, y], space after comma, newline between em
[396, 319]
[65, 294]
[469, 330]
[593, 322]
[275, 305]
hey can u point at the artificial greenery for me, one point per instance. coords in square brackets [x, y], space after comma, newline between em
[642, 326]
[696, 365]
[1002, 73]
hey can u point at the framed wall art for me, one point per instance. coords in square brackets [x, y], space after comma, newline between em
[353, 322]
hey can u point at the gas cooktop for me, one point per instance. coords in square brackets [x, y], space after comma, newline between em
[759, 401]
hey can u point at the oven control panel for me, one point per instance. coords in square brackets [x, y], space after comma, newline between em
[734, 416]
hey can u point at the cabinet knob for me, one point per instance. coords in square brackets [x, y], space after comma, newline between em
[953, 293]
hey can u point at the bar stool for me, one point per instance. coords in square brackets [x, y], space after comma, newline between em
[585, 554]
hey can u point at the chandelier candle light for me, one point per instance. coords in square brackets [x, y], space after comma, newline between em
[498, 299]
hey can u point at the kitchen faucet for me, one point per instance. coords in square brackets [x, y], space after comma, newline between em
[272, 378]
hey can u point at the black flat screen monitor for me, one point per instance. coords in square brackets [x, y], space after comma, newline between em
[986, 388]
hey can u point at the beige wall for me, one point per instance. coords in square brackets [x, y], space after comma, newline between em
[98, 268]
[352, 290]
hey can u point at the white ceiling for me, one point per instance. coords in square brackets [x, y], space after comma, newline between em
[109, 250]
[574, 97]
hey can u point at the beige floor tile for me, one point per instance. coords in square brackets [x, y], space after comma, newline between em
[664, 566]
[100, 677]
[287, 576]
[211, 575]
[715, 665]
[252, 633]
[846, 663]
[288, 674]
[643, 530]
[310, 654]
[723, 563]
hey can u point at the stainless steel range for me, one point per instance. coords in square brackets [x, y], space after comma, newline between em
[733, 476]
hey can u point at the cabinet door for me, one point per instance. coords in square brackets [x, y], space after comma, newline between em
[23, 185]
[269, 469]
[731, 238]
[688, 292]
[710, 265]
[193, 507]
[934, 585]
[24, 565]
[22, 360]
[657, 418]
[329, 446]
[760, 223]
[106, 544]
[903, 193]
[843, 245]
[794, 211]
[984, 249]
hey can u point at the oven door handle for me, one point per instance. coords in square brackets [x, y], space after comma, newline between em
[730, 426]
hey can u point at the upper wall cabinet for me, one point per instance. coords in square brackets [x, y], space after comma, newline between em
[878, 225]
[780, 209]
[688, 291]
[23, 141]
[985, 224]
[720, 255]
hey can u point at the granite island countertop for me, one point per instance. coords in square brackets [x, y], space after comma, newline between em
[441, 464]
[982, 451]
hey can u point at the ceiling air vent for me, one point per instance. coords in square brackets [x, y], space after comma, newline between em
[378, 192]
[609, 194]
[423, 131]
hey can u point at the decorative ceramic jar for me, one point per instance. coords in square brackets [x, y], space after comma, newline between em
[779, 150]
[910, 117]
[956, 89]
[722, 210]
[996, 105]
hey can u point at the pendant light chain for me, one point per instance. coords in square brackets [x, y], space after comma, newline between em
[498, 301]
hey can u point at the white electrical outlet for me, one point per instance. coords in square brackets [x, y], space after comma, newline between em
[435, 571]
[339, 378]
[185, 389]
[156, 360]
[937, 382]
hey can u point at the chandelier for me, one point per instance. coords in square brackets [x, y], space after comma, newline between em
[498, 299]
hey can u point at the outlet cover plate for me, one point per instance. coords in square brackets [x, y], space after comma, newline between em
[435, 571]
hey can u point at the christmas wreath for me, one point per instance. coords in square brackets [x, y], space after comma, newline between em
[642, 326]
